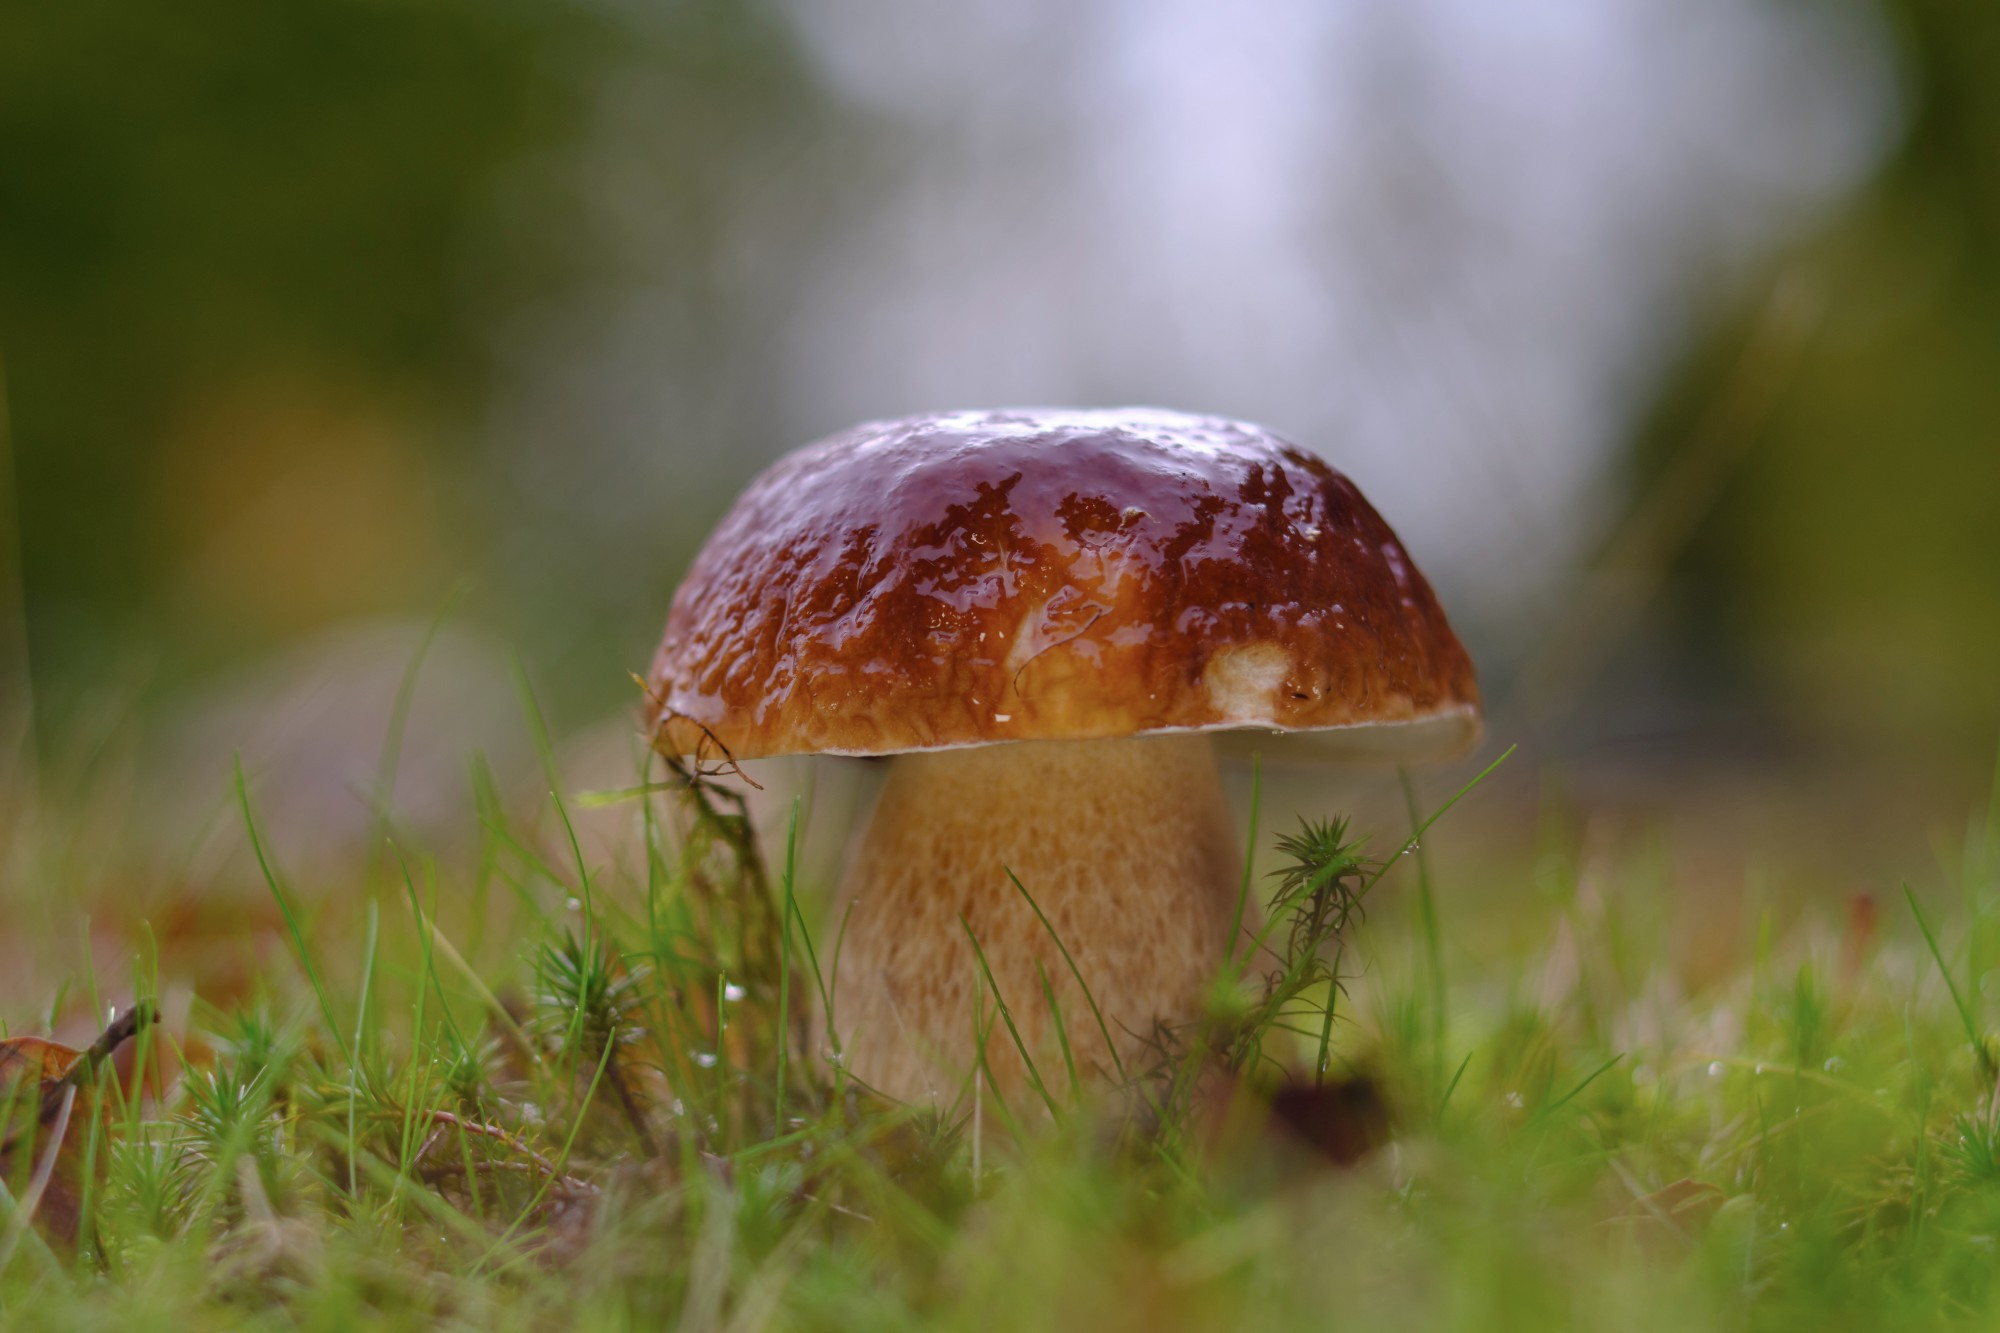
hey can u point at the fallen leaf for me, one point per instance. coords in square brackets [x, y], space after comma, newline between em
[32, 1057]
[49, 1076]
[31, 1070]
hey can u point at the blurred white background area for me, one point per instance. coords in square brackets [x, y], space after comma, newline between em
[1454, 246]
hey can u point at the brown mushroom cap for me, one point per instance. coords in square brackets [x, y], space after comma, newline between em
[974, 577]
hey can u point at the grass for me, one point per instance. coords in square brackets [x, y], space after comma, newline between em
[534, 1092]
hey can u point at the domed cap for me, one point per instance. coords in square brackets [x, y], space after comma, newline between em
[968, 578]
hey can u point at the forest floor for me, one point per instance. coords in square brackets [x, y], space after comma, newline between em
[519, 1088]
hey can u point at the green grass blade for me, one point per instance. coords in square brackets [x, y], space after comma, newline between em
[982, 1070]
[506, 1238]
[1588, 1079]
[1417, 834]
[285, 910]
[1452, 1087]
[399, 717]
[1062, 1031]
[1103, 1028]
[374, 919]
[545, 751]
[1326, 1025]
[1007, 1017]
[785, 960]
[1427, 916]
[1965, 1014]
[426, 941]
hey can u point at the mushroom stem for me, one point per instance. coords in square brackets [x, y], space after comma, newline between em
[1128, 848]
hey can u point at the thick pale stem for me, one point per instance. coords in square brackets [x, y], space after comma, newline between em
[1128, 848]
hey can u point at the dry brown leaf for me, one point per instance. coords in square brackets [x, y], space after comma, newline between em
[49, 1076]
[33, 1057]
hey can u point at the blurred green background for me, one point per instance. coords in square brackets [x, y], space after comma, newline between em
[253, 262]
[311, 314]
[1852, 570]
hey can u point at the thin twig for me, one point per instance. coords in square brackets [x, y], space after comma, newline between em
[446, 1120]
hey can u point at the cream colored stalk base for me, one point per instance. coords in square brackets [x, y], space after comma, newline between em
[1127, 846]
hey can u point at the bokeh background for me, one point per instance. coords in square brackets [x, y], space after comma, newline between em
[1667, 332]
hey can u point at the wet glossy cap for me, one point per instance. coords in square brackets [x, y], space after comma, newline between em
[975, 577]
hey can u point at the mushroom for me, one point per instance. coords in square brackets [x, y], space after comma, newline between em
[1042, 614]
